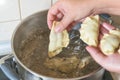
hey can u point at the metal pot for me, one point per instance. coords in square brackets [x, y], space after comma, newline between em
[32, 23]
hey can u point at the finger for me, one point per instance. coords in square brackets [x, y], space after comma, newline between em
[52, 14]
[81, 20]
[108, 26]
[96, 54]
[64, 23]
[103, 30]
[59, 16]
[71, 26]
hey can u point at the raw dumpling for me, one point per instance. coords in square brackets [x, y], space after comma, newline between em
[57, 41]
[115, 32]
[90, 30]
[110, 42]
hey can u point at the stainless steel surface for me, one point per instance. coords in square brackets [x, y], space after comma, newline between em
[9, 72]
[33, 22]
[116, 21]
[106, 17]
[30, 75]
[97, 76]
[25, 75]
[2, 60]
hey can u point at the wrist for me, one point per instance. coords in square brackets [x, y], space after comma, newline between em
[99, 6]
[107, 6]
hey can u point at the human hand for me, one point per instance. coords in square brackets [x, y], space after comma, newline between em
[109, 62]
[68, 12]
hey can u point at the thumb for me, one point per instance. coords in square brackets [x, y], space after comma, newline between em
[97, 55]
[64, 23]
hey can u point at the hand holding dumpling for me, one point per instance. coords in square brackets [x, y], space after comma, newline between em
[89, 31]
[109, 62]
[110, 42]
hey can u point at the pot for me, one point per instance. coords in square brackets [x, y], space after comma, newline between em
[37, 24]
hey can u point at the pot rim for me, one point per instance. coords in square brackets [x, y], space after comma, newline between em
[33, 72]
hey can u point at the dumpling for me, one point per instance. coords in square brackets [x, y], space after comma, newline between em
[110, 42]
[90, 30]
[115, 32]
[57, 41]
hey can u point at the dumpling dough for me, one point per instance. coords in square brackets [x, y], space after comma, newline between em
[110, 42]
[90, 30]
[115, 32]
[57, 41]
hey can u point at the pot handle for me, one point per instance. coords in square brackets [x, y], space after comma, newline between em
[9, 72]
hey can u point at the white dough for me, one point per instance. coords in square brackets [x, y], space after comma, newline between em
[90, 30]
[57, 41]
[115, 32]
[109, 43]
